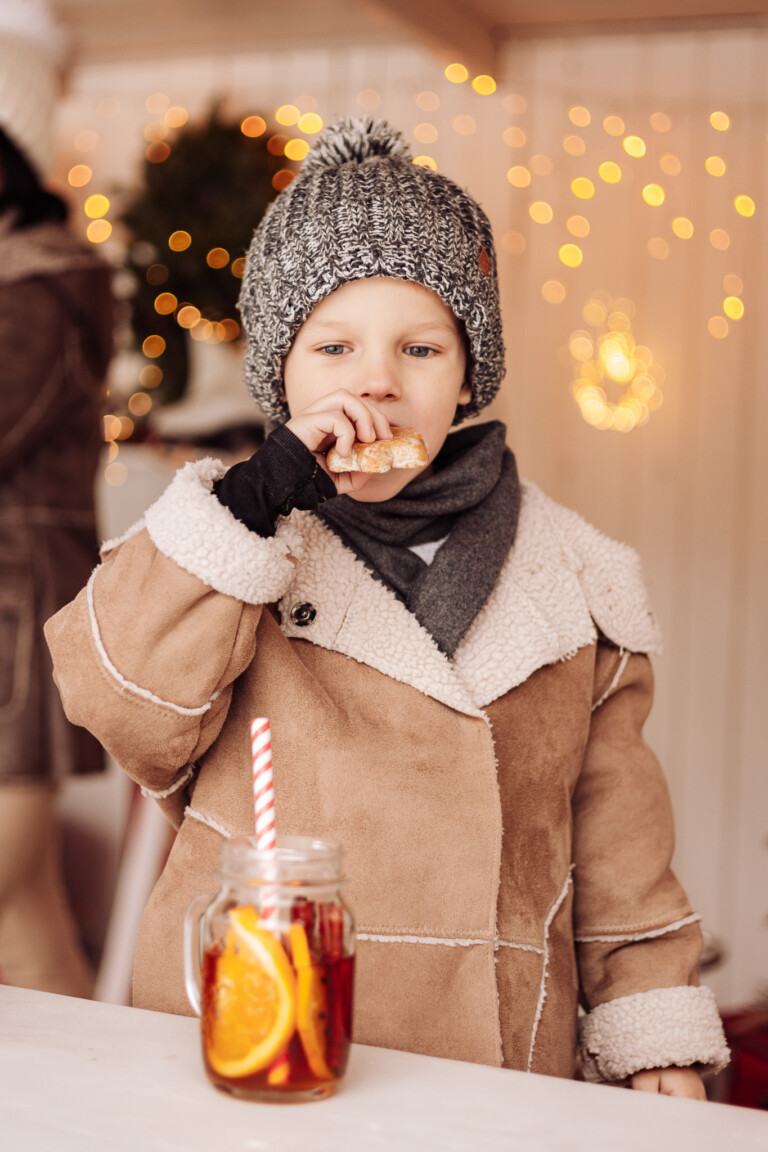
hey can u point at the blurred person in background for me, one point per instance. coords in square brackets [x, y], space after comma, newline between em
[55, 345]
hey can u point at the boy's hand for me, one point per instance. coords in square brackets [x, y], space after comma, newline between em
[338, 420]
[670, 1082]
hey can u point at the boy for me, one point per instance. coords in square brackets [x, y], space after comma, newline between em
[454, 667]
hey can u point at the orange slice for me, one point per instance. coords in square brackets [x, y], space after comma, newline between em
[255, 999]
[311, 1003]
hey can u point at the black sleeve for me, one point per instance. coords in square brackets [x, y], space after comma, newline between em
[281, 476]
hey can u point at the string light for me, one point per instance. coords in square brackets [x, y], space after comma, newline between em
[310, 123]
[578, 226]
[614, 125]
[425, 133]
[426, 162]
[96, 206]
[733, 307]
[720, 121]
[571, 255]
[719, 239]
[217, 258]
[514, 137]
[574, 145]
[715, 165]
[427, 101]
[176, 117]
[98, 231]
[296, 149]
[179, 241]
[607, 358]
[541, 212]
[514, 243]
[670, 165]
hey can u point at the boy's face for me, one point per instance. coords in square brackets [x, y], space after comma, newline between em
[395, 345]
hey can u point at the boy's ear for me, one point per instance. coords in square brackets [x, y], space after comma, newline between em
[465, 395]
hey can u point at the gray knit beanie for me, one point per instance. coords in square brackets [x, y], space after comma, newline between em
[358, 208]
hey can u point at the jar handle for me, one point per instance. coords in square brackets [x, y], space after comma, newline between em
[193, 947]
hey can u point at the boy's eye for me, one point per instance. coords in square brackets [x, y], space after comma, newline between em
[420, 351]
[333, 349]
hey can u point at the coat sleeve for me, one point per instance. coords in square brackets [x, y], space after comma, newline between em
[638, 940]
[147, 654]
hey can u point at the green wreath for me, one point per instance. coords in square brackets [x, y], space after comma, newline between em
[210, 187]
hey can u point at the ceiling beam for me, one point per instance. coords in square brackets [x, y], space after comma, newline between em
[449, 28]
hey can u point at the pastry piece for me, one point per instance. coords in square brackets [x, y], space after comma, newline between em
[406, 449]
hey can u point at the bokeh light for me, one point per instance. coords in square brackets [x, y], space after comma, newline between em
[79, 176]
[720, 121]
[157, 103]
[139, 404]
[187, 316]
[658, 248]
[733, 284]
[670, 164]
[610, 172]
[96, 206]
[574, 145]
[634, 146]
[427, 101]
[614, 125]
[425, 133]
[653, 194]
[287, 114]
[571, 255]
[733, 307]
[217, 258]
[426, 162]
[660, 122]
[579, 115]
[519, 176]
[515, 103]
[484, 85]
[150, 376]
[253, 126]
[156, 274]
[719, 239]
[238, 267]
[718, 327]
[176, 116]
[310, 123]
[165, 303]
[179, 241]
[296, 149]
[682, 227]
[368, 99]
[98, 231]
[541, 212]
[744, 205]
[715, 165]
[514, 137]
[464, 125]
[153, 347]
[157, 152]
[456, 73]
[553, 291]
[577, 226]
[282, 178]
[583, 187]
[86, 140]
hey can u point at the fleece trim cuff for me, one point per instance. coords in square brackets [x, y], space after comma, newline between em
[667, 1026]
[191, 527]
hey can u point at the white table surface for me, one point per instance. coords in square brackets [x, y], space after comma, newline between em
[76, 1075]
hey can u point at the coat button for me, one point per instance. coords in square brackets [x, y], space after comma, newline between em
[303, 614]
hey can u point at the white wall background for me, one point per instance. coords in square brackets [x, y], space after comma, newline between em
[689, 489]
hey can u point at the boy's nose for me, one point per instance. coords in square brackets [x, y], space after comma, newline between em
[379, 381]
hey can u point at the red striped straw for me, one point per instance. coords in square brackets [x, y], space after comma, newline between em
[263, 791]
[264, 803]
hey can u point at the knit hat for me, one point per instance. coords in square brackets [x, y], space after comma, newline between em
[29, 50]
[358, 208]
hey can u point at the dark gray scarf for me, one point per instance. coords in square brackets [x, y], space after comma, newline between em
[473, 498]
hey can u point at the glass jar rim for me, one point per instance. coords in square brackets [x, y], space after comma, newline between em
[304, 860]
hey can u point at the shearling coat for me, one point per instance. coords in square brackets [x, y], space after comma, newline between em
[507, 832]
[55, 344]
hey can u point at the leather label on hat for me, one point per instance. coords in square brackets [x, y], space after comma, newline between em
[484, 261]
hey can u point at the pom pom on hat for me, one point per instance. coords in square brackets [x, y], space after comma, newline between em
[354, 139]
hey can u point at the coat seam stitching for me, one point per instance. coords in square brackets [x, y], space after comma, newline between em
[545, 965]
